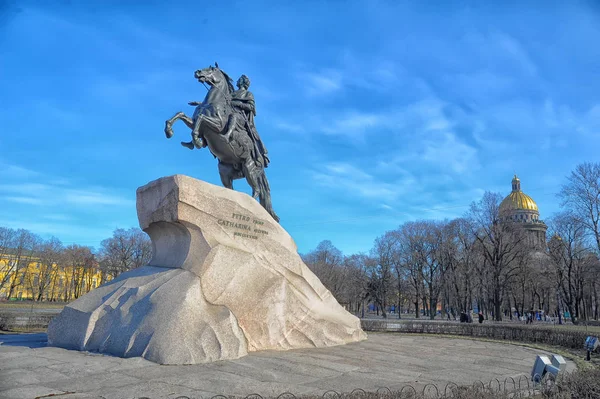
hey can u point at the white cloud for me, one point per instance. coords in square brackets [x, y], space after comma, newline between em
[344, 169]
[24, 200]
[350, 179]
[159, 43]
[112, 89]
[56, 216]
[448, 151]
[54, 206]
[47, 194]
[387, 71]
[513, 48]
[589, 124]
[289, 127]
[420, 117]
[71, 29]
[92, 235]
[489, 142]
[364, 71]
[322, 83]
[24, 188]
[81, 197]
[496, 49]
[370, 71]
[482, 86]
[355, 122]
[16, 172]
[542, 125]
[59, 115]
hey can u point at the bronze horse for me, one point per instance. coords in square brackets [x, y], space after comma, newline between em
[237, 152]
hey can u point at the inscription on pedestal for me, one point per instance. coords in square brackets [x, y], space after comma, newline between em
[244, 226]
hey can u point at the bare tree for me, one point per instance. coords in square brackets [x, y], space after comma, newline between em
[402, 285]
[520, 289]
[125, 250]
[581, 195]
[428, 241]
[386, 259]
[571, 259]
[410, 263]
[462, 268]
[502, 246]
[7, 265]
[326, 262]
[357, 277]
[49, 258]
[595, 288]
[26, 244]
[78, 259]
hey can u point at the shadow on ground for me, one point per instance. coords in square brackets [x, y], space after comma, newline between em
[39, 340]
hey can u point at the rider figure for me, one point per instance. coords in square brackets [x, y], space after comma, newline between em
[242, 101]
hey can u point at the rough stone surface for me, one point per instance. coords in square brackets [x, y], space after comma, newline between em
[385, 360]
[225, 280]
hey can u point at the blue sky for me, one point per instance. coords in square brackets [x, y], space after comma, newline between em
[374, 112]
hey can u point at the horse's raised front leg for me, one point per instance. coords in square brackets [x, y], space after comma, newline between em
[169, 123]
[189, 122]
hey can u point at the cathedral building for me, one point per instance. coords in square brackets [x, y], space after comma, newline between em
[520, 208]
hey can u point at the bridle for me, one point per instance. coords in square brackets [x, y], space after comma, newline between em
[225, 95]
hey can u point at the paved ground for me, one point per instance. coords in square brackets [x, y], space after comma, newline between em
[28, 369]
[26, 310]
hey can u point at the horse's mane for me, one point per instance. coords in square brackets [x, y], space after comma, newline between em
[228, 80]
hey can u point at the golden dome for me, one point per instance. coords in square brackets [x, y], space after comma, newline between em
[517, 200]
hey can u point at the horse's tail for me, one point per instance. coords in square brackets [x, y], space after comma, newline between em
[265, 195]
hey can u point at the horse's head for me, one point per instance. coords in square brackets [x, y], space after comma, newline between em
[214, 76]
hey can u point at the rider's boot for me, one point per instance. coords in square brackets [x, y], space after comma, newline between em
[189, 145]
[231, 122]
[196, 142]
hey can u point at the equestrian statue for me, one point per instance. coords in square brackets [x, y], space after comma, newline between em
[224, 122]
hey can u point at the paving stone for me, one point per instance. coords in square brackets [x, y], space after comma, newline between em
[29, 392]
[384, 360]
[152, 389]
[5, 349]
[13, 378]
[24, 362]
[94, 382]
[231, 384]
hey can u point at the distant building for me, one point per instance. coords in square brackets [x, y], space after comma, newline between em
[27, 278]
[520, 208]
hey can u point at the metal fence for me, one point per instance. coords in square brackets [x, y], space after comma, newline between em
[566, 338]
[522, 386]
[22, 320]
